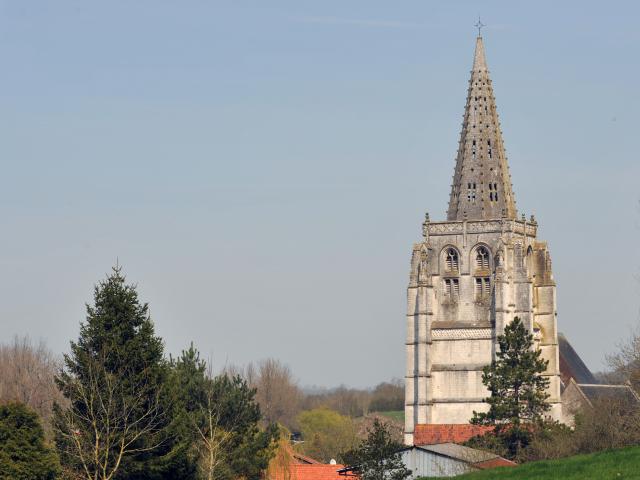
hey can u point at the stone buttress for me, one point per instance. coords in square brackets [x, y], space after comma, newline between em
[472, 275]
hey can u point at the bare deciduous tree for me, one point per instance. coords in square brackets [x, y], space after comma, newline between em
[107, 421]
[388, 396]
[277, 393]
[27, 375]
[214, 432]
[605, 424]
[347, 401]
[211, 448]
[626, 362]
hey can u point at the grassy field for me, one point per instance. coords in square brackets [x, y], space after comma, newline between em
[614, 464]
[397, 415]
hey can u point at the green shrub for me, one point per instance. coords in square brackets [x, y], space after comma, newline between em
[24, 454]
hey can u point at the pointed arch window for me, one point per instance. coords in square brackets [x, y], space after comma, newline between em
[489, 150]
[451, 260]
[482, 258]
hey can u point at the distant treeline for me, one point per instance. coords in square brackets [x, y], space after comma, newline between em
[354, 402]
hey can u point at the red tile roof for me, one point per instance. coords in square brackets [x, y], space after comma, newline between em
[430, 434]
[310, 472]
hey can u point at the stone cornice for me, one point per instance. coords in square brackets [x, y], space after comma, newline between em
[482, 226]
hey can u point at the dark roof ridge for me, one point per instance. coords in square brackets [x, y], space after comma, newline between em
[621, 385]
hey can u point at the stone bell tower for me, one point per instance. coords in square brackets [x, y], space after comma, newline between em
[472, 274]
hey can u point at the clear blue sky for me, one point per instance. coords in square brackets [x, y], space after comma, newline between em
[261, 169]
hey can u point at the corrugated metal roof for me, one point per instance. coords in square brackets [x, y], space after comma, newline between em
[444, 460]
[460, 452]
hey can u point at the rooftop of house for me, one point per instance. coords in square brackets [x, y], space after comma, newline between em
[430, 434]
[313, 472]
[300, 459]
[597, 392]
[476, 458]
[459, 452]
[302, 467]
[307, 471]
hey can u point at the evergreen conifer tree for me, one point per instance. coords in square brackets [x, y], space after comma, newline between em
[24, 454]
[220, 418]
[518, 389]
[378, 457]
[114, 379]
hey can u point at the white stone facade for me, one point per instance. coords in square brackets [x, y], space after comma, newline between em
[471, 276]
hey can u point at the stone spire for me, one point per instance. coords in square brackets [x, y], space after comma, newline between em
[481, 182]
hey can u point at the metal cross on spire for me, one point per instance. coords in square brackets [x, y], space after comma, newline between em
[479, 26]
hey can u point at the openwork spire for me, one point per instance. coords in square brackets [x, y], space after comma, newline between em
[481, 186]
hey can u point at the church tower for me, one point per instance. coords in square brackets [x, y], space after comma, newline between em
[472, 274]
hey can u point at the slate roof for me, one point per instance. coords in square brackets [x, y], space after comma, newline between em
[571, 365]
[623, 393]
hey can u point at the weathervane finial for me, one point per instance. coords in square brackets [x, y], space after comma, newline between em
[479, 26]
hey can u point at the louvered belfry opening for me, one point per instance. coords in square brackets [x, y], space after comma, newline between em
[451, 289]
[451, 260]
[482, 258]
[481, 186]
